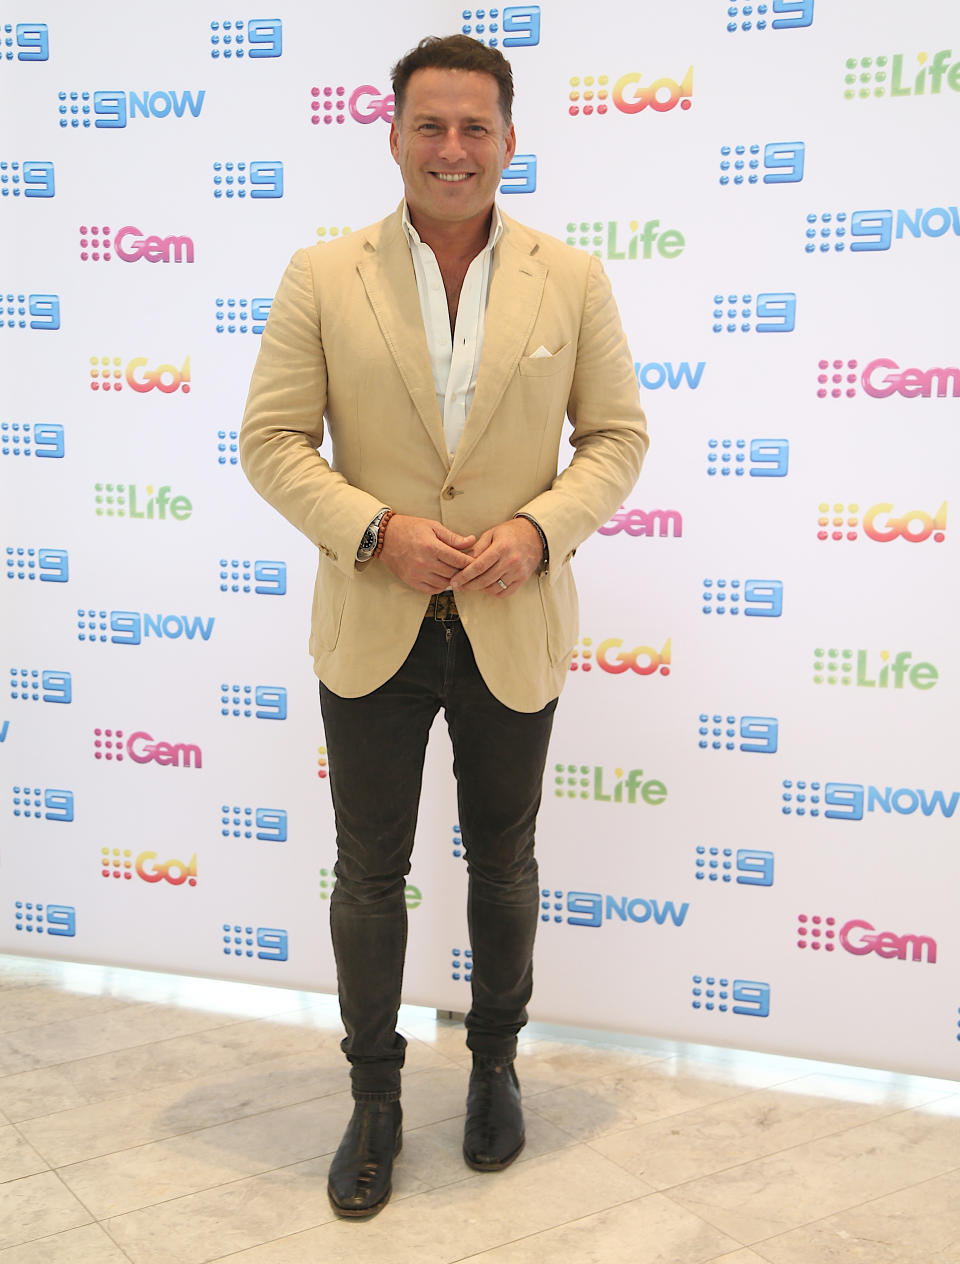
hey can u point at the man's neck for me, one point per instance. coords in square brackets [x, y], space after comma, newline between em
[453, 243]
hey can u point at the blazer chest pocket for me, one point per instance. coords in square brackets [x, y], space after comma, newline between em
[546, 365]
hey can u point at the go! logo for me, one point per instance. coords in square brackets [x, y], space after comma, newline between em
[880, 523]
[117, 862]
[591, 94]
[109, 374]
[643, 660]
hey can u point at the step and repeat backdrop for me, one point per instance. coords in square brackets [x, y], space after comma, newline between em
[749, 832]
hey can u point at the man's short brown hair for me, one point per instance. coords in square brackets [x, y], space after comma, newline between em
[455, 52]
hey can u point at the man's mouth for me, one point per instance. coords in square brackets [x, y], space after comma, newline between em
[452, 177]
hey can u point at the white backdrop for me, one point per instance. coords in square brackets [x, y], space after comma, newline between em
[749, 830]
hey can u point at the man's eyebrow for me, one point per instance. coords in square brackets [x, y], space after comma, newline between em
[426, 117]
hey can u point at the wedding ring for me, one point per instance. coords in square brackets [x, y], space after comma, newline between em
[503, 585]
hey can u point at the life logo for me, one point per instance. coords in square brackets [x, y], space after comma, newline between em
[129, 627]
[112, 746]
[854, 667]
[130, 245]
[833, 232]
[665, 523]
[886, 76]
[591, 908]
[881, 523]
[592, 94]
[364, 104]
[611, 657]
[585, 781]
[117, 862]
[860, 938]
[108, 373]
[114, 109]
[850, 800]
[25, 42]
[882, 377]
[614, 240]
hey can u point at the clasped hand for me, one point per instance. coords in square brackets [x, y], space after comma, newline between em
[430, 557]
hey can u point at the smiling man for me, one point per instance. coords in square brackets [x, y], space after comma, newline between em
[445, 347]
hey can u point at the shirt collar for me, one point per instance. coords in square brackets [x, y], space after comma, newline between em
[413, 237]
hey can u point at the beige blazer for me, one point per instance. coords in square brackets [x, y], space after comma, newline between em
[345, 341]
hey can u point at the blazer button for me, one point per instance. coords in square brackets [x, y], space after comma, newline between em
[449, 493]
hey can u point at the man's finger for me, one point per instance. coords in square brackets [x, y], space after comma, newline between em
[479, 566]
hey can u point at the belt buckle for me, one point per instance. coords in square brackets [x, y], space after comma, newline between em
[443, 606]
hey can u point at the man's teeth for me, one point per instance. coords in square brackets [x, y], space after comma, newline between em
[453, 177]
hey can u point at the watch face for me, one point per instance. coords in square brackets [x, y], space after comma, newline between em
[369, 540]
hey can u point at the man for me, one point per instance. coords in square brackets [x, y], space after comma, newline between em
[444, 345]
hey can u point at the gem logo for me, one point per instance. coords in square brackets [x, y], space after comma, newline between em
[517, 26]
[129, 627]
[590, 908]
[25, 41]
[781, 163]
[124, 500]
[773, 313]
[35, 803]
[107, 373]
[754, 868]
[521, 175]
[665, 523]
[365, 104]
[642, 660]
[881, 524]
[31, 179]
[886, 75]
[581, 781]
[267, 579]
[608, 239]
[713, 995]
[860, 938]
[883, 377]
[854, 667]
[261, 702]
[654, 375]
[45, 439]
[50, 566]
[261, 179]
[760, 733]
[32, 684]
[876, 230]
[592, 95]
[255, 39]
[768, 458]
[43, 310]
[756, 598]
[847, 800]
[118, 863]
[115, 109]
[240, 315]
[267, 825]
[108, 744]
[130, 245]
[778, 15]
[240, 941]
[50, 919]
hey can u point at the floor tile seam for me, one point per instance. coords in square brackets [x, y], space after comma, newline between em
[30, 1146]
[125, 1048]
[842, 1211]
[133, 1095]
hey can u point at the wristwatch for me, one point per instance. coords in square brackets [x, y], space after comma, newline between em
[369, 541]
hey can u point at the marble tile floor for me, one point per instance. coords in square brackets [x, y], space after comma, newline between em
[159, 1120]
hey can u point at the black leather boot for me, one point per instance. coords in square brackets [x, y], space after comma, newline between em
[359, 1181]
[493, 1135]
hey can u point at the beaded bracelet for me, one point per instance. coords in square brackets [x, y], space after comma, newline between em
[381, 532]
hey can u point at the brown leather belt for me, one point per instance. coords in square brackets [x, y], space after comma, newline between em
[442, 606]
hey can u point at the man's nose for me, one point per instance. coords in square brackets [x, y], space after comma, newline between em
[452, 147]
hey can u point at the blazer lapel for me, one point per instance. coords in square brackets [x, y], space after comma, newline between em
[516, 290]
[388, 277]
